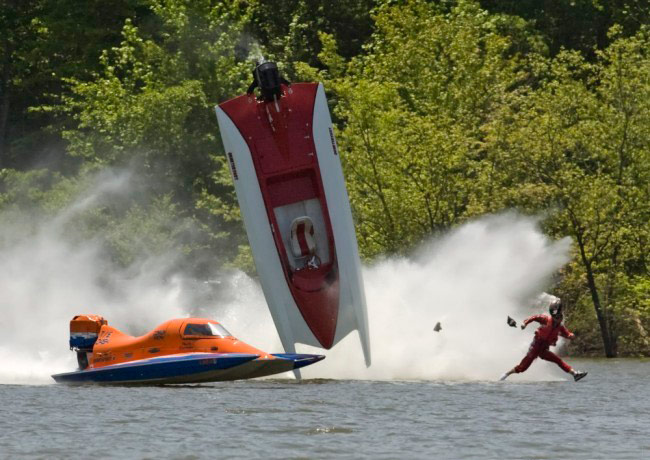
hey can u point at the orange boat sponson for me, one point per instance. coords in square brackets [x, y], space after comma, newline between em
[182, 350]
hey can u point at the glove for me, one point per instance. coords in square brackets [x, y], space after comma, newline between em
[523, 326]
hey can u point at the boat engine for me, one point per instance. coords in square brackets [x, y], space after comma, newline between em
[84, 330]
[266, 77]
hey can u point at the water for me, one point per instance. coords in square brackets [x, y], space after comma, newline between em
[606, 416]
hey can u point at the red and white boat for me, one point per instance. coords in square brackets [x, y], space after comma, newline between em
[289, 182]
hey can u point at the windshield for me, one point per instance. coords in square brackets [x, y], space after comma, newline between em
[206, 330]
[218, 330]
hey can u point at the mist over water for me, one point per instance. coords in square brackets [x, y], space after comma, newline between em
[49, 275]
[469, 280]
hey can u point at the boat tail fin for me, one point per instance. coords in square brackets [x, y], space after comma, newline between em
[84, 330]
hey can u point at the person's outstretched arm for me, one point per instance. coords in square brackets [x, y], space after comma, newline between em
[567, 334]
[535, 318]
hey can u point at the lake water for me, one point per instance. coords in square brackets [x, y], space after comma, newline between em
[606, 415]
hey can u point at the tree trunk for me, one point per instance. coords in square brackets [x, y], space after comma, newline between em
[608, 343]
[4, 100]
[4, 115]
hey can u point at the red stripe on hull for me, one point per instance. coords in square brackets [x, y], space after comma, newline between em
[287, 170]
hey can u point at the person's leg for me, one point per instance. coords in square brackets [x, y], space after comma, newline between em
[525, 363]
[533, 353]
[552, 357]
[548, 355]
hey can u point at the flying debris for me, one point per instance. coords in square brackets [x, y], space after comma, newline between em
[437, 327]
[186, 350]
[512, 322]
[285, 165]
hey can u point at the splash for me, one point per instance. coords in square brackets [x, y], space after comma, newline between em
[469, 280]
[48, 276]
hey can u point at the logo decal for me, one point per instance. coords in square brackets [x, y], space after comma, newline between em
[336, 152]
[233, 168]
[105, 338]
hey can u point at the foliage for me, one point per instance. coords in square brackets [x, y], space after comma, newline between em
[444, 110]
[412, 109]
[150, 105]
[44, 42]
[289, 31]
[577, 148]
[108, 207]
[580, 25]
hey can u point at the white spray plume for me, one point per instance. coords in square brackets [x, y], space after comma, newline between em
[48, 276]
[469, 280]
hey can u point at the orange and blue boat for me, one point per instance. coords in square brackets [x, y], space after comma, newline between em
[184, 350]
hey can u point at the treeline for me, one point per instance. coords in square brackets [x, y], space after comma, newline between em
[446, 110]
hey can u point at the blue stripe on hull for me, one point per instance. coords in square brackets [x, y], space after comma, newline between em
[170, 369]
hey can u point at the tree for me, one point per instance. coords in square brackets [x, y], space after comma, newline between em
[412, 111]
[19, 34]
[580, 25]
[288, 31]
[44, 42]
[577, 147]
[151, 106]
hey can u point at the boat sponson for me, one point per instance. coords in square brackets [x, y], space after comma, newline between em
[300, 360]
[263, 367]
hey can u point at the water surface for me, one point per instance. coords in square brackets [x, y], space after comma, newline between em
[607, 415]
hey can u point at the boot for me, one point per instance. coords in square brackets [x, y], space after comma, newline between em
[579, 375]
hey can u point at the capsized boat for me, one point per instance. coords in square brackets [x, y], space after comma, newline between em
[285, 165]
[185, 350]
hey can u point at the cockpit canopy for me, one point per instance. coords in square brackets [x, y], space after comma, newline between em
[205, 330]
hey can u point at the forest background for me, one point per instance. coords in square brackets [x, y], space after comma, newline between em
[445, 110]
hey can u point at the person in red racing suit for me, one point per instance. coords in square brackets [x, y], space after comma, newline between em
[545, 337]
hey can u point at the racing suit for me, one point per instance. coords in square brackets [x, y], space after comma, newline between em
[545, 337]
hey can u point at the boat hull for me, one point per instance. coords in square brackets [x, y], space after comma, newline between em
[189, 368]
[262, 367]
[183, 368]
[301, 316]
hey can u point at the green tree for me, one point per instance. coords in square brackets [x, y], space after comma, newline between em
[576, 147]
[412, 110]
[44, 42]
[20, 30]
[288, 31]
[580, 25]
[151, 105]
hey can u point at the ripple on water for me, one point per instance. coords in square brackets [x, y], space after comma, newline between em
[251, 411]
[329, 430]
